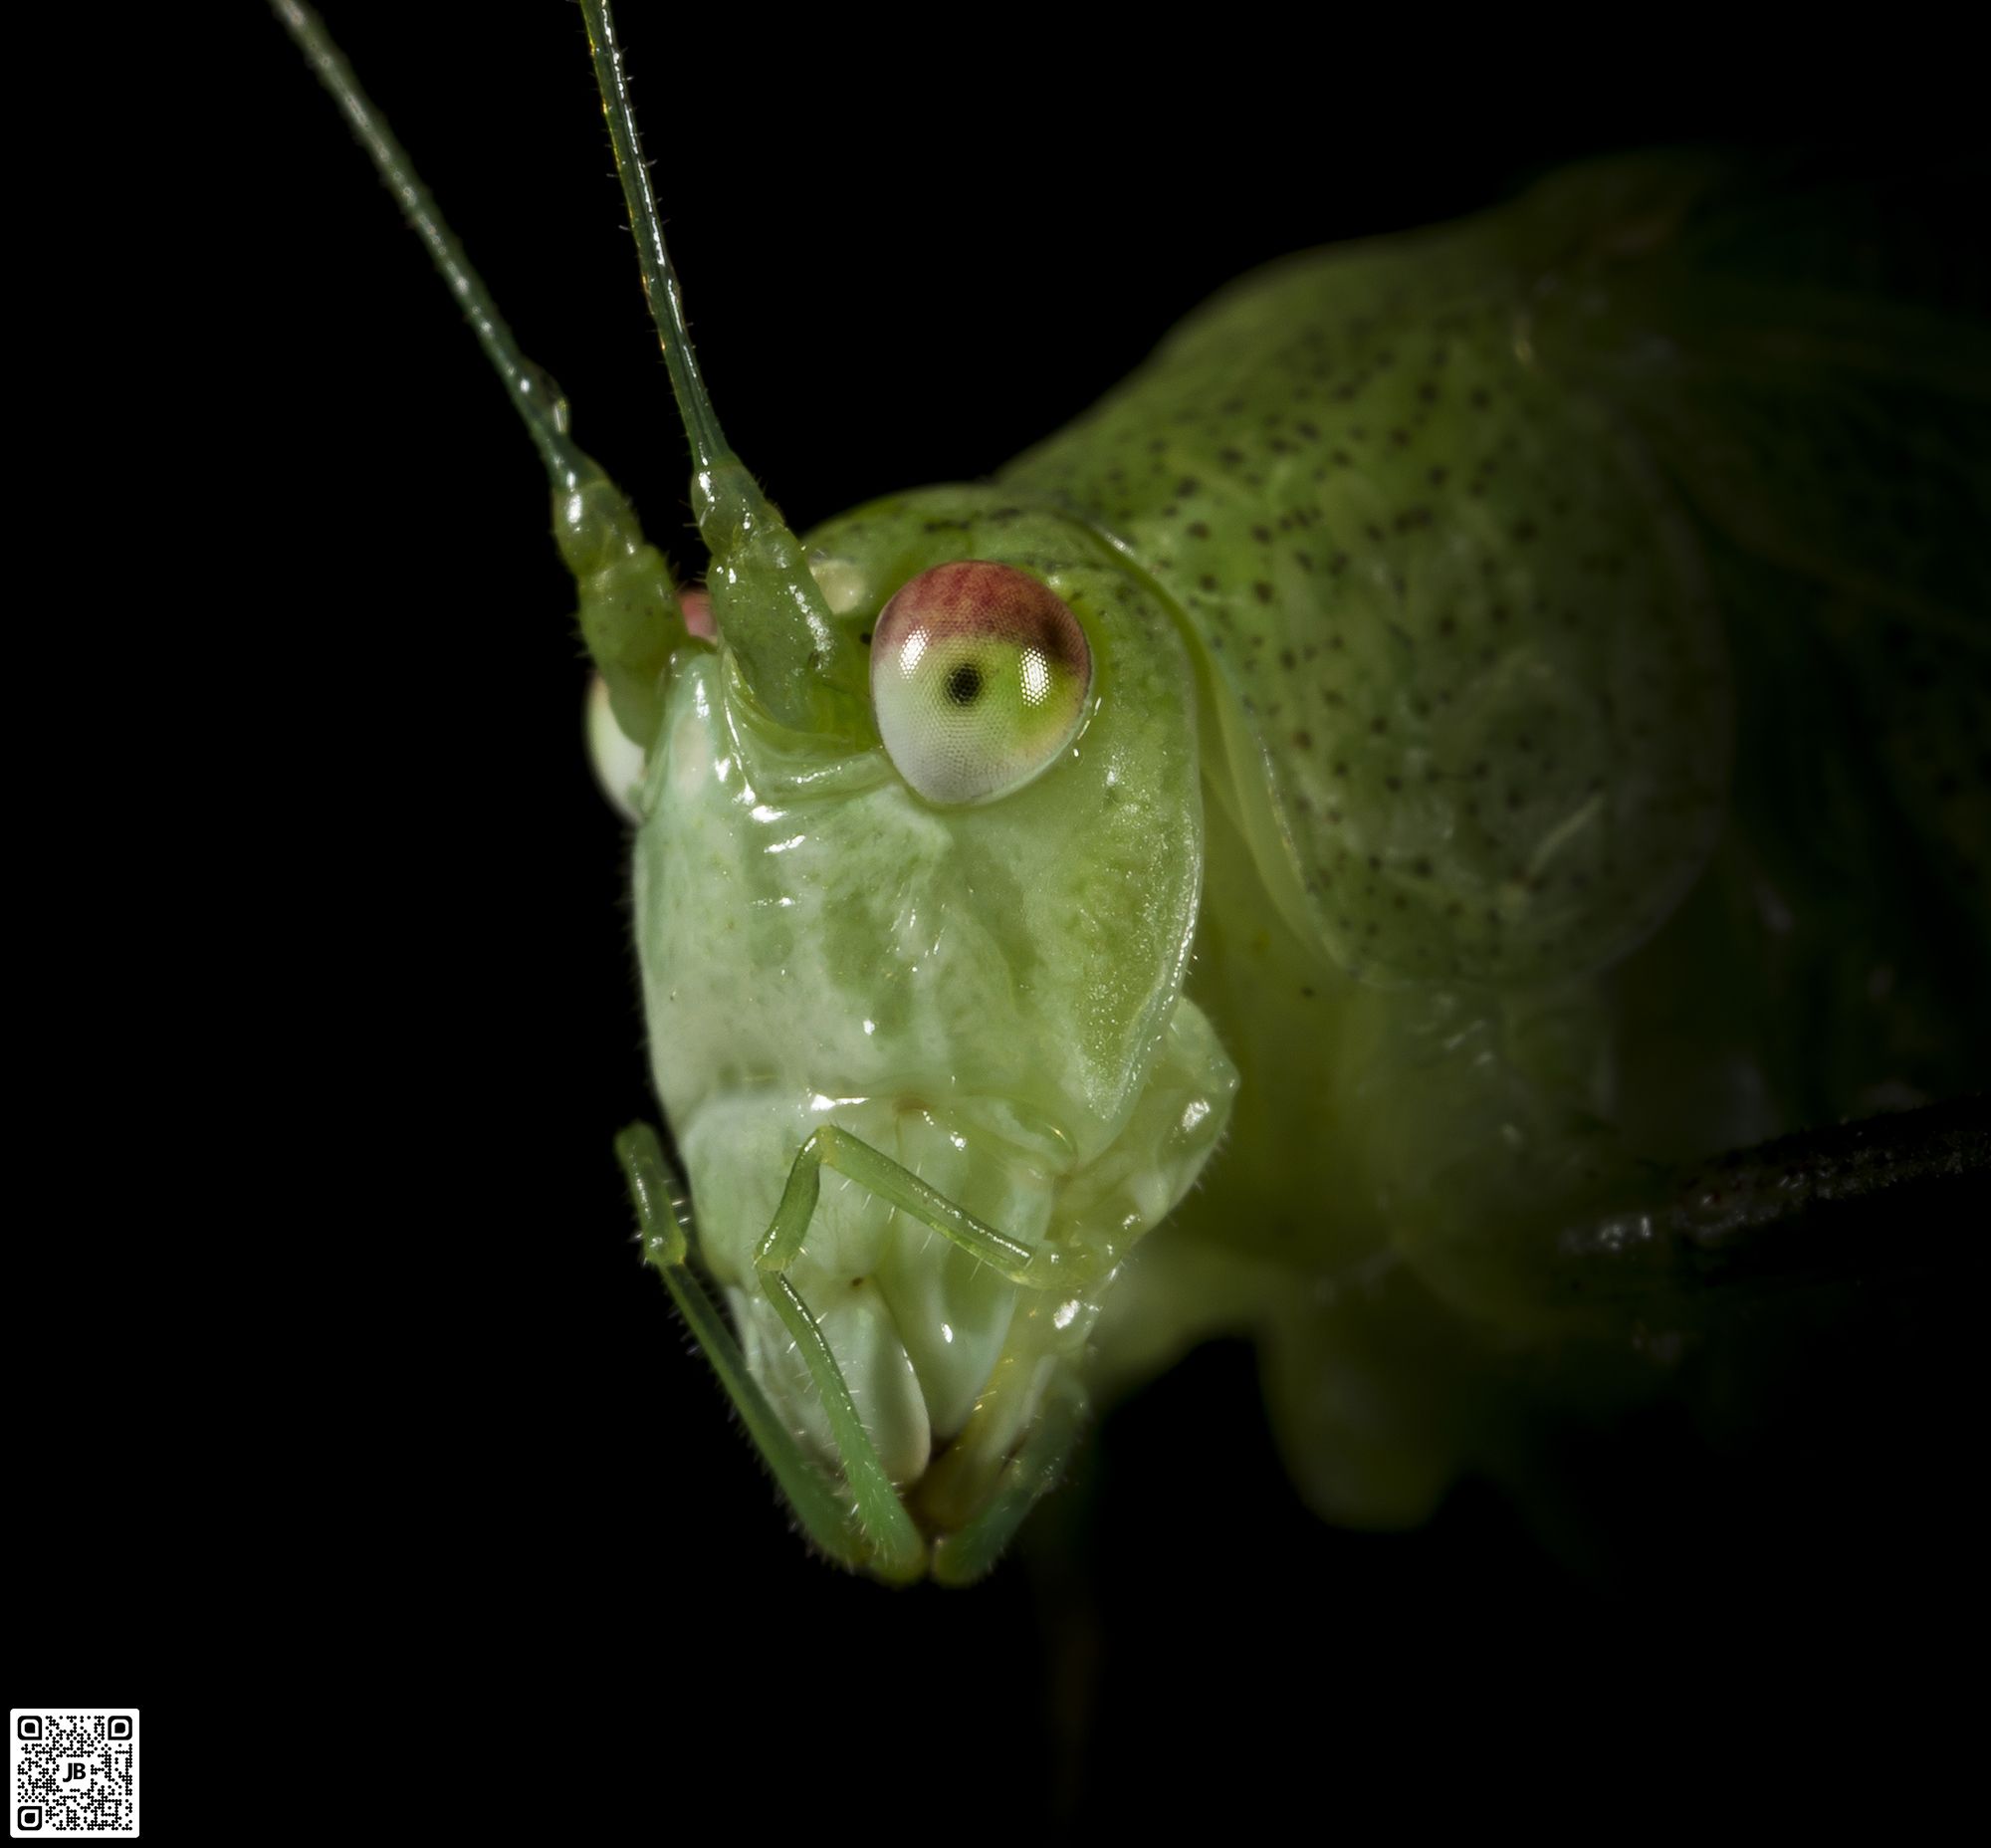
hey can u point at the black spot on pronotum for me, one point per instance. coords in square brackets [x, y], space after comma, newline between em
[964, 684]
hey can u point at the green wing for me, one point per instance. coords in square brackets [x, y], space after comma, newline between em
[1820, 399]
[1805, 355]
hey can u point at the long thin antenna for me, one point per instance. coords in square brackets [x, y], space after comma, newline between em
[807, 672]
[710, 449]
[630, 617]
[537, 397]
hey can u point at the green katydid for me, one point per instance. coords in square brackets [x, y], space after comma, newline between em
[1344, 706]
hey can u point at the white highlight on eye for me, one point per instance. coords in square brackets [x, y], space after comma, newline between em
[870, 1028]
[947, 1334]
[1036, 671]
[1067, 1314]
[911, 655]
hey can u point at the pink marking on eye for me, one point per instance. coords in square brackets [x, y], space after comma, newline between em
[975, 596]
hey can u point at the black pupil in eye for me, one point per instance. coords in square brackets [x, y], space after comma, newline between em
[963, 685]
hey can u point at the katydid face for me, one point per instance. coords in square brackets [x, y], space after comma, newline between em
[988, 992]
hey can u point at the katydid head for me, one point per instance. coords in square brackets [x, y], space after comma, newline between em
[960, 941]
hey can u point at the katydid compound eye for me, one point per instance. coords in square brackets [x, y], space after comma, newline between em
[978, 675]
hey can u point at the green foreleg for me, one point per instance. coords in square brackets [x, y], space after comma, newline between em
[968, 1554]
[816, 1506]
[878, 1533]
[1042, 1267]
[900, 1552]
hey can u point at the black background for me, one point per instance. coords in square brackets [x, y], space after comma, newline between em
[450, 1432]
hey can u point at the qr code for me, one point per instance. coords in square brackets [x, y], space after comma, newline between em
[73, 1774]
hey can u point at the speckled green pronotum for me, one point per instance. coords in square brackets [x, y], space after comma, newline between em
[1426, 755]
